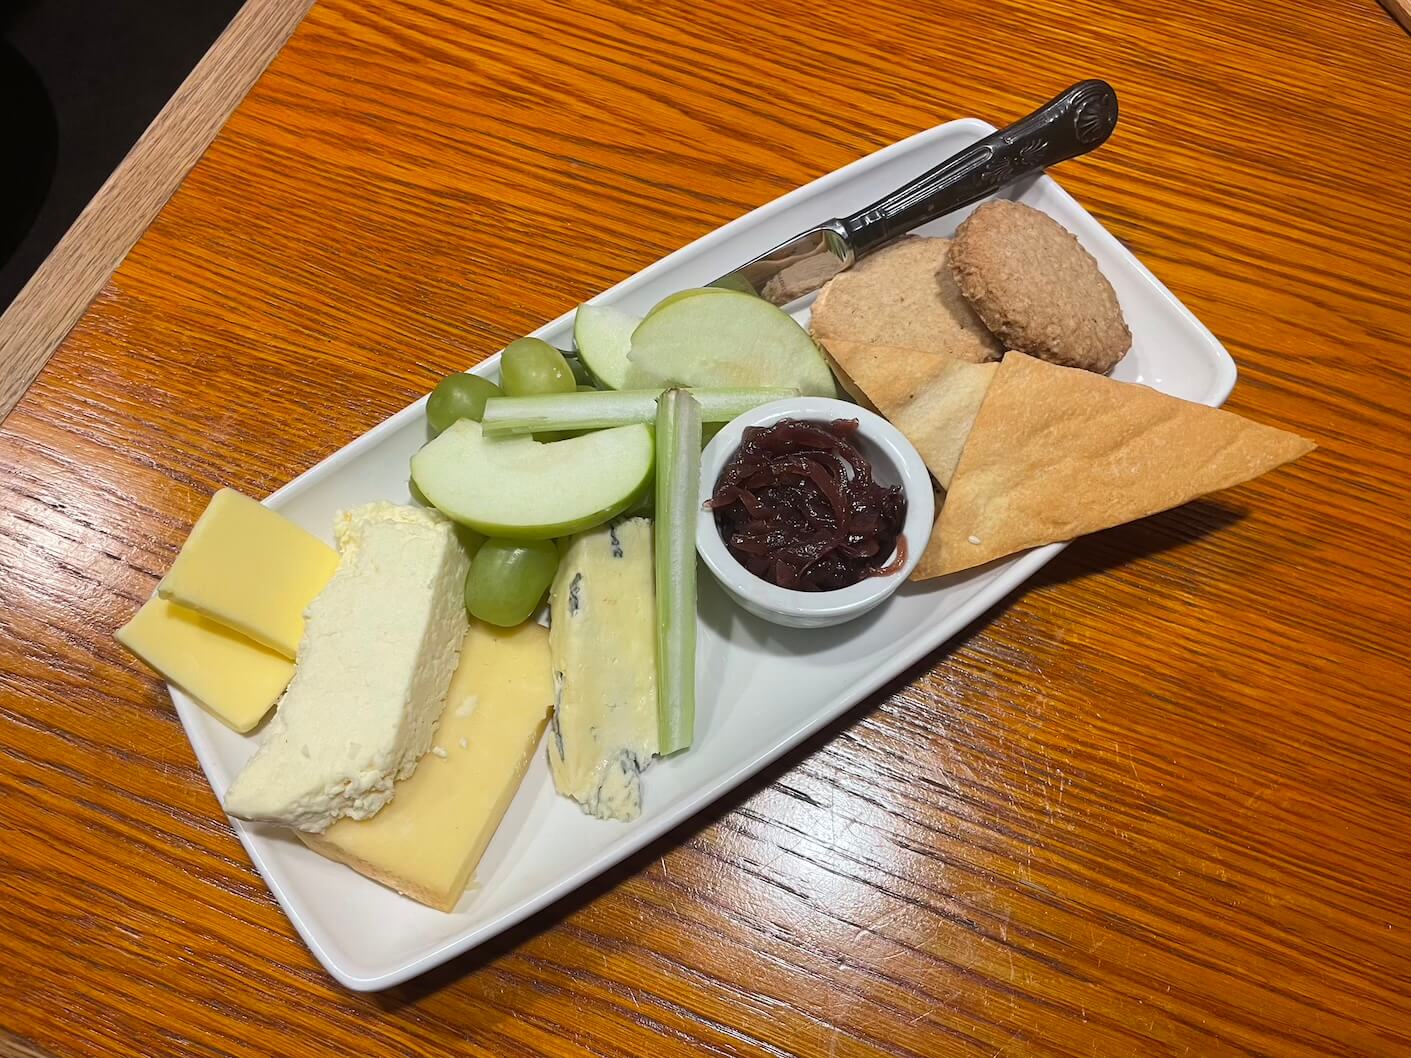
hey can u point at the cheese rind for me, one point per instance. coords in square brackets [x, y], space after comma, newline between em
[427, 842]
[251, 569]
[232, 677]
[602, 637]
[379, 649]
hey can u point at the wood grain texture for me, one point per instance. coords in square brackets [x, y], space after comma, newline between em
[12, 1047]
[34, 324]
[1157, 804]
[1399, 10]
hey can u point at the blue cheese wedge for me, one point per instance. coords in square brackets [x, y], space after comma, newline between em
[380, 645]
[602, 642]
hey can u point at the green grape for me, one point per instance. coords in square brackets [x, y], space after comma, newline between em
[580, 373]
[530, 366]
[470, 540]
[458, 397]
[508, 578]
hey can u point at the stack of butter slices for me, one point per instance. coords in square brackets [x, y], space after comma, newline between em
[226, 620]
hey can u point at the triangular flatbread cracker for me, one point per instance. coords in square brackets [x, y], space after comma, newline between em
[882, 376]
[930, 397]
[1056, 453]
[939, 419]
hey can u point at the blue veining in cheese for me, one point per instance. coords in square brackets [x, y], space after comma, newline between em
[602, 641]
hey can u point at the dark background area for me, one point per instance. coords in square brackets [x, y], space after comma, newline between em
[80, 80]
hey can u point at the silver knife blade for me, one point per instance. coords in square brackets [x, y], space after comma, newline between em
[794, 268]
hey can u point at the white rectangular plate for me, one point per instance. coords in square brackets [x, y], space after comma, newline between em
[765, 689]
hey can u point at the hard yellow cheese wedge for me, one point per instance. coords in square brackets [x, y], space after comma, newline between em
[428, 839]
[251, 569]
[231, 676]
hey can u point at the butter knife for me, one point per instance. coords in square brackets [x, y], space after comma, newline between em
[1070, 124]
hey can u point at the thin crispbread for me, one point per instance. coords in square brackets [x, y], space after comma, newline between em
[930, 397]
[903, 295]
[1055, 453]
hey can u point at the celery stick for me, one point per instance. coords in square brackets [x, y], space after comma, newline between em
[721, 404]
[678, 494]
[570, 411]
[607, 408]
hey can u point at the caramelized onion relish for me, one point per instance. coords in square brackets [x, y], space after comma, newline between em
[797, 505]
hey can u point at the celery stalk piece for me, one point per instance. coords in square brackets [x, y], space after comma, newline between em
[678, 494]
[721, 404]
[571, 411]
[608, 408]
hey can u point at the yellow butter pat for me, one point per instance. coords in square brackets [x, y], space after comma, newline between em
[231, 676]
[251, 569]
[428, 839]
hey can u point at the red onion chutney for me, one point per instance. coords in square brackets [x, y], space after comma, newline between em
[797, 505]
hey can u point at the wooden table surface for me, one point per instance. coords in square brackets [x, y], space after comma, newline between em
[1157, 803]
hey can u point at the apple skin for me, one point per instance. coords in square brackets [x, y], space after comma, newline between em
[729, 339]
[609, 367]
[476, 480]
[603, 334]
[570, 527]
[682, 295]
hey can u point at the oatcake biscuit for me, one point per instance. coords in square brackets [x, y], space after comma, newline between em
[903, 296]
[1037, 288]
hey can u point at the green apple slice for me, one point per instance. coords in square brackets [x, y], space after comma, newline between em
[603, 336]
[524, 489]
[681, 295]
[730, 339]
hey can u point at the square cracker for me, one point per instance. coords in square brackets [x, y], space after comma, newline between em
[1055, 453]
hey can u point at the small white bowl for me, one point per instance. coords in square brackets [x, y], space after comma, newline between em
[894, 462]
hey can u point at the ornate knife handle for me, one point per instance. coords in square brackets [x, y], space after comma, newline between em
[1070, 124]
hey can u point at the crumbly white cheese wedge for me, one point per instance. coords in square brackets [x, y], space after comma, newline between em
[380, 645]
[602, 639]
[429, 839]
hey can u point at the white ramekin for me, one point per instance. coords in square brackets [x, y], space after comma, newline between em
[894, 462]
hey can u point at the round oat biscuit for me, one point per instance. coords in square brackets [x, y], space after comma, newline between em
[1036, 287]
[904, 296]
